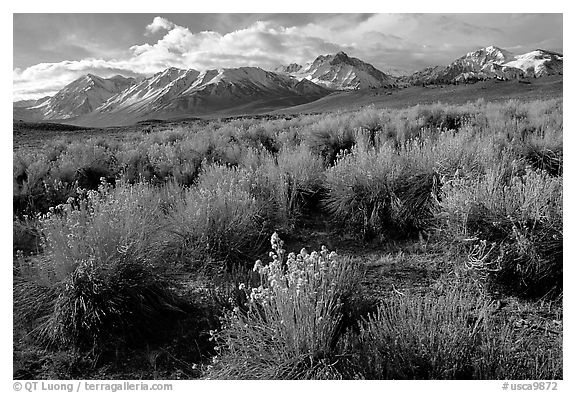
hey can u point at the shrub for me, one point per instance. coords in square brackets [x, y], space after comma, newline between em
[442, 117]
[381, 192]
[329, 136]
[98, 275]
[452, 334]
[513, 225]
[25, 236]
[429, 337]
[290, 326]
[220, 217]
[463, 153]
[543, 152]
[103, 224]
[31, 190]
[294, 181]
[95, 305]
[257, 136]
[85, 164]
[135, 165]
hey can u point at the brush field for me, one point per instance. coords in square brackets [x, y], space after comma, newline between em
[418, 242]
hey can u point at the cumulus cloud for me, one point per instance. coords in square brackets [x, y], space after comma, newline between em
[262, 44]
[159, 24]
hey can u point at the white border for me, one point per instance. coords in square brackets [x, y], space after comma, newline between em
[304, 6]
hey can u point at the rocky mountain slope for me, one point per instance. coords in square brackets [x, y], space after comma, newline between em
[289, 69]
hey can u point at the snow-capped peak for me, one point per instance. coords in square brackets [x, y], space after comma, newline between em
[342, 72]
[82, 96]
[489, 54]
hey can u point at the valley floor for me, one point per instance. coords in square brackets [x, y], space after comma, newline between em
[491, 90]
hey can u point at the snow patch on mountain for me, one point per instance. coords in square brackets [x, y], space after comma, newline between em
[538, 63]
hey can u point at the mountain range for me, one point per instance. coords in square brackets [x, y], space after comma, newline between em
[177, 93]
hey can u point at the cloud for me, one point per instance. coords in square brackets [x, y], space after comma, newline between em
[45, 79]
[264, 44]
[159, 24]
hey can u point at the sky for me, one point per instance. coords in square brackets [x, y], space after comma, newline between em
[51, 50]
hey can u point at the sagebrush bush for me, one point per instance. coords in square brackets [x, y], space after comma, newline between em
[31, 190]
[543, 152]
[429, 337]
[329, 136]
[380, 191]
[25, 236]
[295, 179]
[513, 223]
[96, 305]
[260, 137]
[220, 217]
[290, 326]
[99, 272]
[85, 164]
[451, 334]
[103, 224]
[534, 130]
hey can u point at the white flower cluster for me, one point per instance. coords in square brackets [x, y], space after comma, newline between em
[298, 270]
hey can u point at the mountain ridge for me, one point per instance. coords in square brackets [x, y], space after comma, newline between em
[177, 93]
